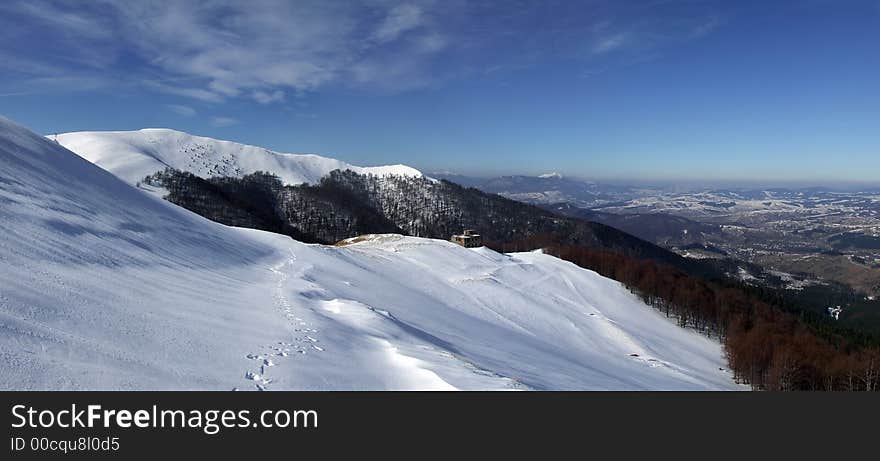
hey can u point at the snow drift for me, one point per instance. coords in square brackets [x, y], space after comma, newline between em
[133, 155]
[103, 286]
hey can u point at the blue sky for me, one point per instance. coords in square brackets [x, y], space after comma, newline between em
[690, 90]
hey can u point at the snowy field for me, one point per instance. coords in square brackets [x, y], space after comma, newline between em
[104, 286]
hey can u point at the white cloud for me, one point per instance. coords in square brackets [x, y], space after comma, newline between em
[593, 72]
[65, 17]
[195, 93]
[610, 43]
[400, 19]
[264, 97]
[705, 28]
[431, 43]
[221, 122]
[180, 109]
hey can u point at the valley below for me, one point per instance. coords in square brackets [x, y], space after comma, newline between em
[824, 239]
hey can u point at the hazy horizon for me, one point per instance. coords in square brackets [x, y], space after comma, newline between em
[646, 181]
[738, 183]
[657, 181]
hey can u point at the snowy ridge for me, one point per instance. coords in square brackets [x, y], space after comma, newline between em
[132, 155]
[103, 286]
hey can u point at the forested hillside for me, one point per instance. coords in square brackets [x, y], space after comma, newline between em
[314, 214]
[771, 343]
[346, 204]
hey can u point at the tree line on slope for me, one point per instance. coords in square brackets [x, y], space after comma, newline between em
[767, 347]
[312, 214]
[346, 204]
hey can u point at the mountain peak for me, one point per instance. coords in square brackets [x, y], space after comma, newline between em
[133, 155]
[553, 175]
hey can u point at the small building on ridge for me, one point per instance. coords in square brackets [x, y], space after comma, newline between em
[468, 239]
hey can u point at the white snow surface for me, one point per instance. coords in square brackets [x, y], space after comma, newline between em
[133, 155]
[104, 286]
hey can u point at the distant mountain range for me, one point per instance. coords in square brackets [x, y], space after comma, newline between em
[546, 188]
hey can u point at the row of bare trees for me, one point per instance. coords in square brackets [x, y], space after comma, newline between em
[767, 347]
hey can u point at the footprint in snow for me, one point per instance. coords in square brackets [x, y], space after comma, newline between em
[282, 349]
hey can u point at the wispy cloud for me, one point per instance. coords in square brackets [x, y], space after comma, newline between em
[66, 18]
[221, 122]
[189, 92]
[180, 109]
[610, 43]
[263, 50]
[264, 97]
[706, 27]
[399, 19]
[588, 73]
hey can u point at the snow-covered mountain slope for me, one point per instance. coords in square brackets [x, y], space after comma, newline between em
[132, 155]
[103, 286]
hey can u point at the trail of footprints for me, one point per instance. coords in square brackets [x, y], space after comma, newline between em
[305, 341]
[272, 355]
